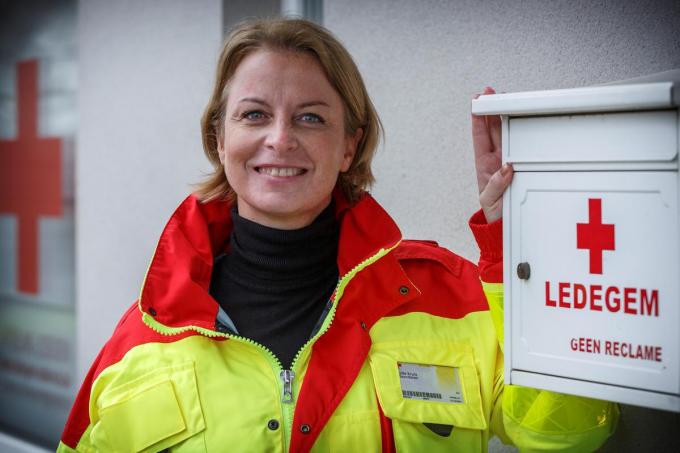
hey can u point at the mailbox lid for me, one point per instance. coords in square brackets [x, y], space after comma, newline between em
[562, 320]
[611, 98]
[649, 136]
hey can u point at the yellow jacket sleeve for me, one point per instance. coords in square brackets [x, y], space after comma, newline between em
[540, 420]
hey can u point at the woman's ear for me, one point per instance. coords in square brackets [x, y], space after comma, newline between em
[220, 148]
[352, 143]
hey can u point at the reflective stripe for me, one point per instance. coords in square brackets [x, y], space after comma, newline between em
[552, 421]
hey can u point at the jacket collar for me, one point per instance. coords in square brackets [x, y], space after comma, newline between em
[175, 290]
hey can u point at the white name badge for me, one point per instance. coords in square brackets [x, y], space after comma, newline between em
[430, 383]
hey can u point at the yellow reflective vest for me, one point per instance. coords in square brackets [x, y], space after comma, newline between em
[407, 358]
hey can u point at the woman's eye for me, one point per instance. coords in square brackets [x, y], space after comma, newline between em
[254, 115]
[311, 118]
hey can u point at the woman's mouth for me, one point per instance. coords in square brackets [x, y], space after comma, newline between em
[281, 172]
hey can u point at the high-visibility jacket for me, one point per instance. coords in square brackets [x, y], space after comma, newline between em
[407, 357]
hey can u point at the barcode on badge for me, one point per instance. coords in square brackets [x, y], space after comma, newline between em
[428, 395]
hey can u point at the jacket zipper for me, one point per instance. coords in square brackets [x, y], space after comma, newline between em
[285, 376]
[287, 382]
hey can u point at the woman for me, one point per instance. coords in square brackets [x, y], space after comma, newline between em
[282, 311]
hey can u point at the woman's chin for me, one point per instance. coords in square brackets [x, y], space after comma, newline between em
[281, 211]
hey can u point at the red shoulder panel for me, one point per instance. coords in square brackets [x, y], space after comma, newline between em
[449, 284]
[430, 251]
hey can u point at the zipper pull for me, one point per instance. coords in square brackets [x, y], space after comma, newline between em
[287, 379]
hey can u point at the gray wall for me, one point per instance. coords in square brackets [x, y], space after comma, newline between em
[423, 61]
[146, 69]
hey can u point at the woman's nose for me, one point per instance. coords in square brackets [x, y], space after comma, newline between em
[281, 137]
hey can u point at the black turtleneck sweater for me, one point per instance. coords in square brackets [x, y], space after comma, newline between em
[274, 284]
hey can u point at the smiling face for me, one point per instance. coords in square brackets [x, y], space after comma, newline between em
[284, 140]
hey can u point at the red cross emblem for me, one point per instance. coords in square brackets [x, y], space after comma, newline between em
[594, 235]
[30, 177]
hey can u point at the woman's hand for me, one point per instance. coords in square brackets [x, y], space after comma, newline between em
[492, 179]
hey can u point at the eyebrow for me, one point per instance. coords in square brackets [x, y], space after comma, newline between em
[313, 103]
[254, 100]
[300, 106]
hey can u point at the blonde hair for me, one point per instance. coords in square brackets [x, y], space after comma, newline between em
[294, 35]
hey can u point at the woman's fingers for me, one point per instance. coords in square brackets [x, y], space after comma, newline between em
[481, 136]
[481, 140]
[494, 126]
[491, 198]
[486, 141]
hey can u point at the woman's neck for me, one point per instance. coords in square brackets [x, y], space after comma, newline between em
[271, 254]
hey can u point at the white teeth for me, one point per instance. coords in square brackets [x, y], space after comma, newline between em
[280, 171]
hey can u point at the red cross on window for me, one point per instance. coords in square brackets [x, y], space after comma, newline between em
[30, 177]
[594, 235]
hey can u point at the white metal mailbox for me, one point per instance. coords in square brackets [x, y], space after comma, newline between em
[592, 241]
